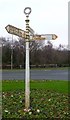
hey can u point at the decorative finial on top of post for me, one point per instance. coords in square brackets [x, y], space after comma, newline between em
[27, 11]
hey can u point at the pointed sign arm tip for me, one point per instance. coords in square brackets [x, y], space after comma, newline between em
[7, 28]
[56, 36]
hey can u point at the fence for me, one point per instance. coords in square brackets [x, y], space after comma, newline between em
[34, 66]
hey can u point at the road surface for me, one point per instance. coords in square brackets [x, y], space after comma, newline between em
[35, 75]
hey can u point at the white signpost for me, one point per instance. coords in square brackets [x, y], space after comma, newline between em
[26, 34]
[27, 75]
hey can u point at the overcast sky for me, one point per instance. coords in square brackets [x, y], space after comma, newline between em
[47, 17]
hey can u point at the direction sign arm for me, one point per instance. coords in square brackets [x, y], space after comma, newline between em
[15, 31]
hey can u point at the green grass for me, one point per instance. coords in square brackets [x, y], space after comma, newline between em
[0, 85]
[60, 86]
[49, 97]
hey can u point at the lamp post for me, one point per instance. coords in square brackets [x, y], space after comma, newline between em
[27, 11]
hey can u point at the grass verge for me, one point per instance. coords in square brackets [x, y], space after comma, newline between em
[59, 86]
[48, 100]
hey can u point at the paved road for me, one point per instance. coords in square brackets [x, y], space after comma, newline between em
[36, 75]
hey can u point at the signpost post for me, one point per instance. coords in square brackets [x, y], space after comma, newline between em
[26, 35]
[27, 75]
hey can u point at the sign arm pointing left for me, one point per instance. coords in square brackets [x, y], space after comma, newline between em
[16, 31]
